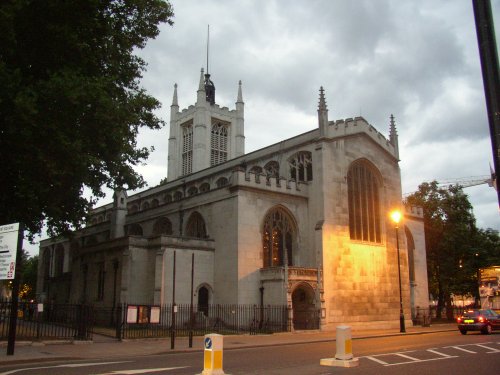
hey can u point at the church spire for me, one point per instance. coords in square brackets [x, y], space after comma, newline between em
[322, 113]
[393, 135]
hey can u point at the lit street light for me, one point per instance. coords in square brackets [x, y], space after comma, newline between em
[396, 217]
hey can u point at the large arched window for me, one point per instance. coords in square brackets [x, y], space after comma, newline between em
[278, 238]
[162, 226]
[195, 226]
[364, 202]
[301, 166]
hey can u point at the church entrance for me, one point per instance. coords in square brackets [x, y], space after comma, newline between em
[203, 300]
[305, 314]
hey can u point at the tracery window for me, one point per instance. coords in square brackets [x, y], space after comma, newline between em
[301, 166]
[204, 187]
[221, 182]
[195, 226]
[162, 226]
[272, 169]
[187, 147]
[134, 230]
[193, 190]
[218, 142]
[364, 203]
[278, 238]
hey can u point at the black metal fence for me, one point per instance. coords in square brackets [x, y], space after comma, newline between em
[140, 321]
[55, 321]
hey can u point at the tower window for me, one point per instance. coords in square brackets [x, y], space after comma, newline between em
[187, 147]
[218, 142]
[364, 203]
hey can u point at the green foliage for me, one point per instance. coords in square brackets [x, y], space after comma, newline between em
[71, 105]
[456, 249]
[27, 289]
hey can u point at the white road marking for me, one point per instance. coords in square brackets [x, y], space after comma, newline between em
[140, 371]
[493, 350]
[59, 366]
[462, 349]
[407, 356]
[376, 360]
[439, 353]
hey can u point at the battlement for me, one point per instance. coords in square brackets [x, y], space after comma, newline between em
[274, 184]
[414, 211]
[356, 125]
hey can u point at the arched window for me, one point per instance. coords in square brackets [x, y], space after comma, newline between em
[162, 226]
[256, 169]
[195, 226]
[187, 147]
[155, 203]
[218, 142]
[59, 264]
[364, 202]
[177, 196]
[204, 187]
[167, 198]
[411, 254]
[272, 169]
[279, 237]
[145, 206]
[193, 190]
[221, 182]
[134, 230]
[301, 166]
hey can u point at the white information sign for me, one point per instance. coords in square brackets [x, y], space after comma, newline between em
[8, 250]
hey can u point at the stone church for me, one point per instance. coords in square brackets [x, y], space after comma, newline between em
[303, 222]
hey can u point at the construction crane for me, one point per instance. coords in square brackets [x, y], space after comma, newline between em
[466, 182]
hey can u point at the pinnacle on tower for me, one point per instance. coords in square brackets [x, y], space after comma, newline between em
[322, 102]
[174, 100]
[322, 114]
[393, 135]
[240, 95]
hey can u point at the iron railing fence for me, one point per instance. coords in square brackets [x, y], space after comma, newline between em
[140, 321]
[56, 321]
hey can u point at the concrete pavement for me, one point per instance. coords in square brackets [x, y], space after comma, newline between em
[107, 348]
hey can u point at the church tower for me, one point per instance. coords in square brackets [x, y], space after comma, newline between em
[204, 134]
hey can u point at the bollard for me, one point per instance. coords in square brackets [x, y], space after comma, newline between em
[343, 356]
[212, 360]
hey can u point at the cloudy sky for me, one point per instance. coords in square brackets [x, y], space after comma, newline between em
[417, 60]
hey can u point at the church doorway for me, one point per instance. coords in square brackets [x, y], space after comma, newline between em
[203, 300]
[305, 314]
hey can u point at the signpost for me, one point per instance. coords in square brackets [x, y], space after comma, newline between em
[8, 250]
[11, 244]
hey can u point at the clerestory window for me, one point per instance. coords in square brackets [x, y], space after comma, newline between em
[301, 166]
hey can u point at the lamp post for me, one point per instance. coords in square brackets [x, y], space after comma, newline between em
[396, 217]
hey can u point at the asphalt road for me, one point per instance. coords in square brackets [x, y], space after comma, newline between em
[437, 353]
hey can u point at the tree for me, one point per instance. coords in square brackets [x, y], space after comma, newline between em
[71, 105]
[450, 233]
[27, 285]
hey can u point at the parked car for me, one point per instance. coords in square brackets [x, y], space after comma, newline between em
[485, 321]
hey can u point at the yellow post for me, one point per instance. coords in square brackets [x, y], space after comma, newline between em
[343, 356]
[212, 355]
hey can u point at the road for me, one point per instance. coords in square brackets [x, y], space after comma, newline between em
[437, 353]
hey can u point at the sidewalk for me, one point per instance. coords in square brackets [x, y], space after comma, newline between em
[106, 348]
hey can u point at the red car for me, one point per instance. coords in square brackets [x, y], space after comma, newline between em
[478, 320]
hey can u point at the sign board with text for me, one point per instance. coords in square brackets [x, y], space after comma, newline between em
[8, 250]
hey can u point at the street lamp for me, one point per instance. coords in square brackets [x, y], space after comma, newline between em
[396, 218]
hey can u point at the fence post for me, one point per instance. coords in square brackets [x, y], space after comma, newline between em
[119, 321]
